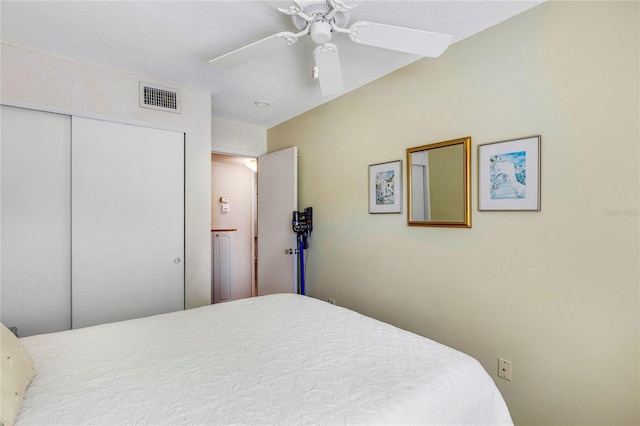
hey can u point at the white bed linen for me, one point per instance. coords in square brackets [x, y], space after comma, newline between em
[281, 359]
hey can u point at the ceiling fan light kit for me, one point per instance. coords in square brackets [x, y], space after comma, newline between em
[320, 19]
[320, 32]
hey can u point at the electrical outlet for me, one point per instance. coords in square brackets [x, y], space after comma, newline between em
[332, 301]
[504, 369]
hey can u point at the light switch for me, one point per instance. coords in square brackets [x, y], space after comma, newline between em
[224, 208]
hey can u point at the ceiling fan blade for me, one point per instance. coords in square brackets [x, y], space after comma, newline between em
[329, 70]
[259, 48]
[408, 40]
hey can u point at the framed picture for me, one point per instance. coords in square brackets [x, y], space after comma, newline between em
[509, 175]
[385, 187]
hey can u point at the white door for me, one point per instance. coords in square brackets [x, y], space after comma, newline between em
[127, 187]
[35, 259]
[277, 200]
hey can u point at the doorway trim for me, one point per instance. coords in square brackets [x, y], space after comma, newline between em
[232, 152]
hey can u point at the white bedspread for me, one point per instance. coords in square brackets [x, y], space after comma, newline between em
[281, 359]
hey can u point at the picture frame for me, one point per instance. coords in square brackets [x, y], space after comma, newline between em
[385, 187]
[509, 175]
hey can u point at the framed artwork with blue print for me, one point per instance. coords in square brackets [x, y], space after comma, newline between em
[509, 175]
[385, 187]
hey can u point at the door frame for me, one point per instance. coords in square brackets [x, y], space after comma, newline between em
[249, 155]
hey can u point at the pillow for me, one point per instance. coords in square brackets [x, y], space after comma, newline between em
[17, 370]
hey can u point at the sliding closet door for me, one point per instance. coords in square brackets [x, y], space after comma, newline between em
[127, 237]
[35, 253]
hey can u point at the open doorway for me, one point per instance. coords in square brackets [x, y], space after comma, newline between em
[233, 227]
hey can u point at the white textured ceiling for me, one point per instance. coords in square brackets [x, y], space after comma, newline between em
[172, 41]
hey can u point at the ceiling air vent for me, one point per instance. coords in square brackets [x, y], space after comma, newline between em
[160, 98]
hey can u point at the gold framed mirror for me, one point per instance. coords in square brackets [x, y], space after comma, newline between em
[439, 184]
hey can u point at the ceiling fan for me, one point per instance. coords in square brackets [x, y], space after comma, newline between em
[320, 19]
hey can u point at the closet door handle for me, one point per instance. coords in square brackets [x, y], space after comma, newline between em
[177, 260]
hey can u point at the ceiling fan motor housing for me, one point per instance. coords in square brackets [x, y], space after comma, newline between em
[318, 10]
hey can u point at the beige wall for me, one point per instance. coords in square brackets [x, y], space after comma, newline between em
[556, 292]
[35, 80]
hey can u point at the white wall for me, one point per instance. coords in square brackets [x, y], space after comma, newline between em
[39, 81]
[556, 291]
[229, 137]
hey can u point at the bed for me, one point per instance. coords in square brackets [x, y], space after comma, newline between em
[281, 359]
